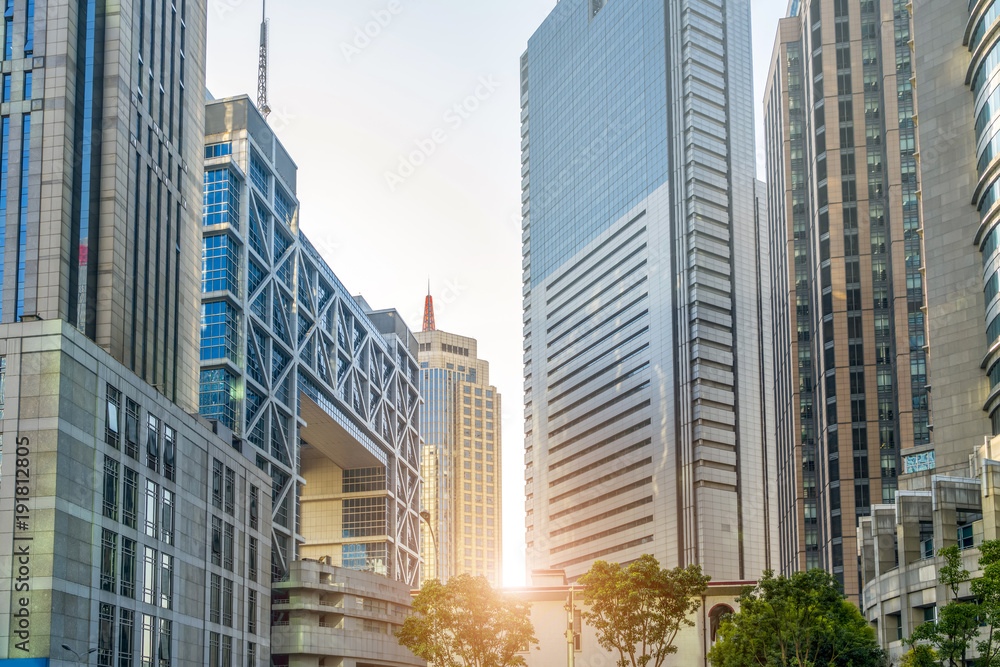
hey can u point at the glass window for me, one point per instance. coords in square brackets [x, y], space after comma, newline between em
[111, 468]
[132, 428]
[363, 517]
[227, 603]
[216, 541]
[228, 544]
[218, 397]
[218, 150]
[260, 176]
[220, 265]
[215, 599]
[130, 498]
[126, 623]
[169, 444]
[151, 523]
[128, 568]
[217, 473]
[166, 581]
[150, 567]
[167, 518]
[230, 491]
[106, 635]
[221, 198]
[27, 85]
[109, 549]
[152, 443]
[147, 645]
[166, 630]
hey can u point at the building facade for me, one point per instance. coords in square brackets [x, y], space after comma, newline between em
[312, 381]
[847, 259]
[461, 460]
[642, 349]
[329, 615]
[100, 228]
[129, 526]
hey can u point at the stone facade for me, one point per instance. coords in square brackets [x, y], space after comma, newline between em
[328, 615]
[125, 523]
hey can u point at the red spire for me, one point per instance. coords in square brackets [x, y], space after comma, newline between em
[429, 310]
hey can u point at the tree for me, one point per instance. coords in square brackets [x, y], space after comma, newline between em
[638, 610]
[466, 623]
[957, 625]
[920, 655]
[987, 592]
[801, 621]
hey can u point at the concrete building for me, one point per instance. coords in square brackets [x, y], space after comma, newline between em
[328, 615]
[642, 348]
[100, 228]
[127, 526]
[461, 460]
[850, 351]
[553, 599]
[898, 545]
[313, 383]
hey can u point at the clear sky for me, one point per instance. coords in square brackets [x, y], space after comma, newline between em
[407, 140]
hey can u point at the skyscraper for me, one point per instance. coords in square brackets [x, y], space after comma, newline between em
[847, 260]
[642, 348]
[313, 383]
[461, 457]
[101, 228]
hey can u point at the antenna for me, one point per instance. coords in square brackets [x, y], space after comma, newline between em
[262, 104]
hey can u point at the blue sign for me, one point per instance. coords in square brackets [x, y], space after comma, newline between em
[25, 662]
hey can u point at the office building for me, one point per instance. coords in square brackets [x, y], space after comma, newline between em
[102, 114]
[461, 461]
[129, 526]
[851, 342]
[313, 384]
[642, 346]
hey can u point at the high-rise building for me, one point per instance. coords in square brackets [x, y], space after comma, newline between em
[315, 385]
[100, 155]
[850, 342]
[461, 457]
[642, 346]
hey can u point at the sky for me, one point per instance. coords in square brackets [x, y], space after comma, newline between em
[403, 117]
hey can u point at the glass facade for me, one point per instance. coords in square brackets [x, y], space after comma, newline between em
[222, 198]
[220, 332]
[221, 257]
[598, 136]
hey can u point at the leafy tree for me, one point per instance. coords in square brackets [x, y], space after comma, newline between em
[638, 610]
[466, 623]
[957, 625]
[797, 621]
[987, 592]
[920, 655]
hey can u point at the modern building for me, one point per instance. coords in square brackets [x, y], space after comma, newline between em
[553, 599]
[328, 615]
[461, 460]
[642, 347]
[102, 113]
[129, 527]
[850, 351]
[899, 543]
[315, 385]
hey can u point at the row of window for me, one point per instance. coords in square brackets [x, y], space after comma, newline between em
[155, 640]
[121, 567]
[121, 502]
[161, 440]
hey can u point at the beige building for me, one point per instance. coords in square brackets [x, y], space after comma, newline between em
[850, 343]
[898, 544]
[327, 615]
[552, 597]
[460, 461]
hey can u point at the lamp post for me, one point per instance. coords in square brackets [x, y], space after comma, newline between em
[81, 658]
[426, 516]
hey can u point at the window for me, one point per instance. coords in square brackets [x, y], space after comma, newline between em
[150, 565]
[111, 415]
[227, 603]
[151, 523]
[366, 557]
[169, 445]
[215, 599]
[110, 504]
[217, 400]
[217, 473]
[252, 560]
[106, 635]
[130, 498]
[166, 581]
[222, 198]
[126, 623]
[254, 500]
[252, 611]
[227, 651]
[284, 207]
[109, 548]
[218, 150]
[147, 645]
[220, 332]
[166, 630]
[127, 588]
[216, 541]
[363, 517]
[213, 649]
[6, 87]
[228, 547]
[259, 174]
[152, 443]
[132, 428]
[363, 480]
[220, 265]
[251, 655]
[230, 491]
[965, 537]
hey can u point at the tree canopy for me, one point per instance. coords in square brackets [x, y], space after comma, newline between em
[466, 623]
[638, 610]
[799, 621]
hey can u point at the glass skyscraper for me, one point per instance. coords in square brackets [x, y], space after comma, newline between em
[643, 355]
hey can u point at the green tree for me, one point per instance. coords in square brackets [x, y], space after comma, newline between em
[638, 610]
[957, 625]
[920, 655]
[466, 623]
[797, 621]
[987, 592]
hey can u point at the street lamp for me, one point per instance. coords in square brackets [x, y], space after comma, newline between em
[426, 516]
[81, 658]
